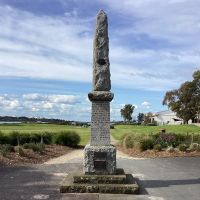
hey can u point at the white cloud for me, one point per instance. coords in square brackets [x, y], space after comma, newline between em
[136, 107]
[173, 26]
[61, 47]
[70, 107]
[64, 99]
[176, 21]
[50, 103]
[146, 104]
[34, 97]
[44, 47]
[47, 105]
[35, 109]
[8, 103]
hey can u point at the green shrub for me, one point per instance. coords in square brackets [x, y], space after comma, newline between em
[28, 145]
[182, 147]
[198, 148]
[157, 147]
[170, 149]
[112, 127]
[181, 138]
[36, 147]
[33, 138]
[195, 138]
[68, 138]
[27, 138]
[20, 151]
[13, 138]
[128, 141]
[145, 144]
[5, 149]
[168, 139]
[194, 147]
[122, 138]
[16, 138]
[47, 138]
[2, 138]
[10, 138]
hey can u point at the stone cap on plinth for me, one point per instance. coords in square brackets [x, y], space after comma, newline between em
[100, 96]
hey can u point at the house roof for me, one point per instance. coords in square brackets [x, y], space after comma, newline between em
[166, 112]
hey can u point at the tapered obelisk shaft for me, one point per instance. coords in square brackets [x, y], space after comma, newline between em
[101, 71]
[101, 95]
[100, 155]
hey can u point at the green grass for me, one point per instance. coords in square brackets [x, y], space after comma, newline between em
[120, 130]
[53, 128]
[84, 133]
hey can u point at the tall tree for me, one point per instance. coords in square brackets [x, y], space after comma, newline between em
[185, 101]
[196, 81]
[127, 112]
[140, 117]
[148, 117]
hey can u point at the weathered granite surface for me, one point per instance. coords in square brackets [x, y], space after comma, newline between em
[99, 155]
[100, 123]
[103, 156]
[129, 185]
[101, 71]
[100, 96]
[118, 178]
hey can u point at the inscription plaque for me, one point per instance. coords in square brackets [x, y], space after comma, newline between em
[100, 155]
[100, 161]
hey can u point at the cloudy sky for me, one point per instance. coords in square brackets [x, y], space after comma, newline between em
[46, 54]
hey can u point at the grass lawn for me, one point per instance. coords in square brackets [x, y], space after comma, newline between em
[84, 133]
[119, 130]
[39, 128]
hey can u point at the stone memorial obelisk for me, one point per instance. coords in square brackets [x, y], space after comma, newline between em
[100, 155]
[100, 174]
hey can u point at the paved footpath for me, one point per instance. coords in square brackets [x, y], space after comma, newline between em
[159, 179]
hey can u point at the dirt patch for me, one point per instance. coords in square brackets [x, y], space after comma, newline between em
[30, 157]
[156, 154]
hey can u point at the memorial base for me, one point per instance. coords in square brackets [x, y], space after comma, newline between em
[100, 160]
[120, 183]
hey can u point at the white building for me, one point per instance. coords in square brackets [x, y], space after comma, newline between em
[166, 117]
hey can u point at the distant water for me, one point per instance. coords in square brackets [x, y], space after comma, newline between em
[9, 122]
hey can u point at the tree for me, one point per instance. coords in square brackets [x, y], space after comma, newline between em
[127, 112]
[196, 81]
[148, 118]
[140, 117]
[185, 101]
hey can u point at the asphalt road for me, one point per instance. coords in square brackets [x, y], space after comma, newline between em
[159, 179]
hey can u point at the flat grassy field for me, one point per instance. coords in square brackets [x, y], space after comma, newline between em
[84, 133]
[40, 128]
[119, 130]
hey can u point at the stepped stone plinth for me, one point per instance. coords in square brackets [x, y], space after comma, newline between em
[120, 183]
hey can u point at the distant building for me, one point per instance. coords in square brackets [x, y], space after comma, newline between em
[166, 117]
